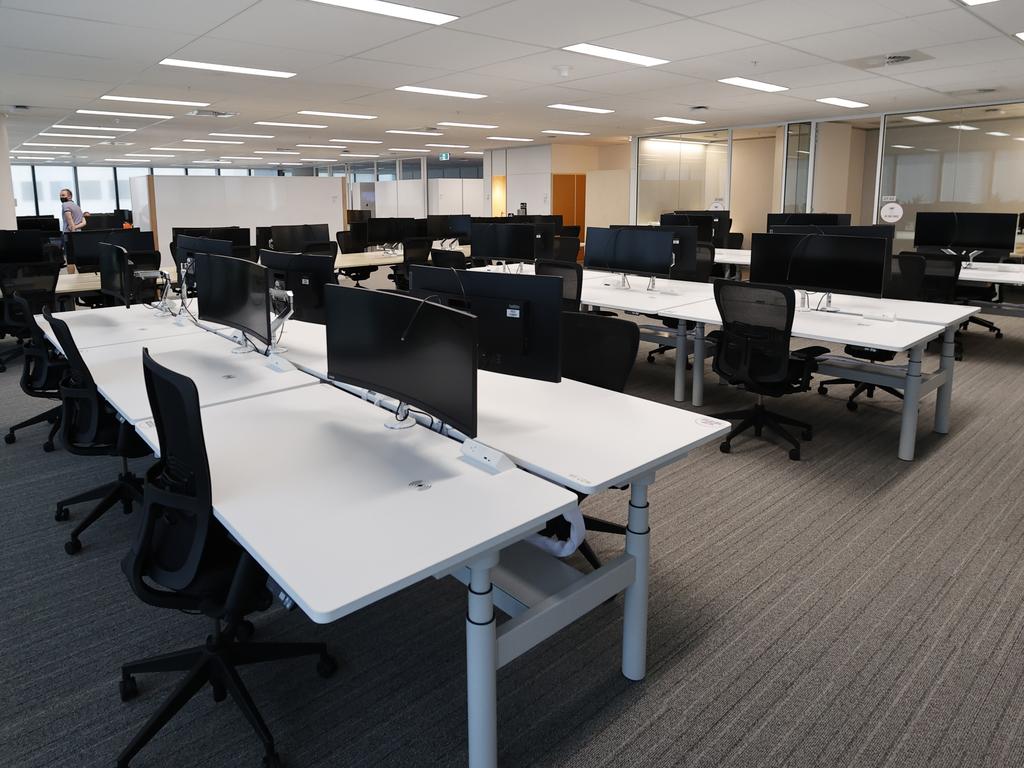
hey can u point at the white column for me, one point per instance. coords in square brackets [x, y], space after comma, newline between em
[7, 215]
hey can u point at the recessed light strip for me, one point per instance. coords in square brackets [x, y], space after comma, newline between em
[681, 120]
[506, 138]
[346, 115]
[577, 108]
[176, 149]
[418, 133]
[225, 68]
[356, 141]
[448, 146]
[755, 85]
[78, 135]
[565, 133]
[123, 114]
[211, 141]
[394, 10]
[617, 55]
[93, 128]
[47, 144]
[440, 92]
[289, 125]
[468, 125]
[170, 102]
[920, 119]
[404, 149]
[244, 135]
[835, 101]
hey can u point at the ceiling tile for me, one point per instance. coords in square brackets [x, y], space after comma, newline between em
[544, 67]
[450, 49]
[746, 62]
[192, 16]
[635, 81]
[779, 20]
[696, 7]
[680, 40]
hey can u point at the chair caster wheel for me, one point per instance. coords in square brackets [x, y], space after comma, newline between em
[326, 666]
[128, 688]
[48, 447]
[851, 406]
[794, 454]
[650, 359]
[822, 389]
[807, 435]
[72, 546]
[9, 438]
[272, 760]
[62, 514]
[725, 448]
[244, 631]
[999, 334]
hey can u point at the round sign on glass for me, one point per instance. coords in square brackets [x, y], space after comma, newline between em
[891, 213]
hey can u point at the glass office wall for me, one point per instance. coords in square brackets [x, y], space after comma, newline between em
[202, 171]
[798, 167]
[412, 168]
[688, 171]
[968, 159]
[24, 190]
[50, 180]
[387, 170]
[233, 171]
[124, 186]
[96, 190]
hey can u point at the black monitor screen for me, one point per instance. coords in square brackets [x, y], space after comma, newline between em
[967, 231]
[705, 224]
[827, 263]
[520, 316]
[636, 250]
[600, 248]
[722, 224]
[544, 242]
[115, 273]
[823, 219]
[235, 292]
[381, 231]
[516, 242]
[42, 223]
[485, 241]
[294, 238]
[419, 352]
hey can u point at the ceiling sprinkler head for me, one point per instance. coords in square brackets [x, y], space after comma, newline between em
[563, 70]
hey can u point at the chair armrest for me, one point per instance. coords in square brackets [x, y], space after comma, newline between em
[809, 357]
[806, 353]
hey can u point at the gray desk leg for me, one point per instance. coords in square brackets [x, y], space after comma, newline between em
[698, 365]
[482, 665]
[944, 398]
[638, 544]
[681, 353]
[911, 403]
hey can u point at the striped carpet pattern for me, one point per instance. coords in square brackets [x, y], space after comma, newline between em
[846, 610]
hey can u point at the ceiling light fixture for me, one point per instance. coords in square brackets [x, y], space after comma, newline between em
[575, 108]
[318, 159]
[177, 149]
[418, 133]
[225, 68]
[835, 101]
[920, 119]
[356, 154]
[403, 149]
[274, 152]
[287, 163]
[34, 157]
[1020, 35]
[144, 154]
[565, 133]
[239, 157]
[123, 160]
[36, 152]
[901, 146]
[472, 153]
[506, 138]
[617, 55]
[347, 115]
[987, 133]
[682, 120]
[321, 146]
[440, 92]
[356, 141]
[755, 85]
[170, 102]
[977, 2]
[392, 9]
[123, 114]
[962, 127]
[78, 135]
[244, 135]
[211, 141]
[468, 125]
[213, 162]
[448, 146]
[92, 128]
[46, 144]
[289, 125]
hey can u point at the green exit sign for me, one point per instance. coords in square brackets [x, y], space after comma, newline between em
[444, 155]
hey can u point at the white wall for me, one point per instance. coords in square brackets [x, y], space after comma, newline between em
[753, 165]
[405, 199]
[454, 196]
[8, 218]
[528, 177]
[607, 198]
[244, 201]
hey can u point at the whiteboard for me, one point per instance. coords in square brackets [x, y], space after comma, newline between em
[244, 201]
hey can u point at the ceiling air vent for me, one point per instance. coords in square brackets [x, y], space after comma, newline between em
[971, 92]
[210, 113]
[884, 60]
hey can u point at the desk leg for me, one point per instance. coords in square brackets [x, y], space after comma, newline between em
[681, 354]
[944, 398]
[482, 665]
[638, 544]
[698, 365]
[911, 403]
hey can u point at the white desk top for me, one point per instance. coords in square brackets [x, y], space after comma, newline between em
[732, 256]
[379, 258]
[340, 524]
[911, 311]
[527, 269]
[206, 358]
[831, 327]
[117, 325]
[668, 293]
[1007, 274]
[537, 423]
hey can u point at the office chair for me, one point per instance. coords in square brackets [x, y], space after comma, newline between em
[600, 351]
[415, 250]
[734, 241]
[967, 292]
[696, 270]
[36, 281]
[569, 230]
[448, 259]
[182, 559]
[325, 248]
[567, 248]
[572, 280]
[349, 242]
[752, 350]
[90, 427]
[43, 368]
[908, 285]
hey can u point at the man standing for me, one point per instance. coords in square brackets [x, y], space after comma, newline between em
[71, 217]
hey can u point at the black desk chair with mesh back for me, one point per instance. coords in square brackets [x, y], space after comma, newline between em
[967, 292]
[36, 282]
[752, 350]
[43, 368]
[90, 427]
[415, 250]
[572, 280]
[908, 284]
[600, 351]
[696, 270]
[567, 248]
[182, 559]
[448, 259]
[325, 248]
[349, 242]
[941, 276]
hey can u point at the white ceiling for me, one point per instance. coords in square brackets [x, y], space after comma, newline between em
[58, 56]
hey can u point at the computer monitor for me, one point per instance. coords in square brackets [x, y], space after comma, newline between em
[821, 219]
[822, 263]
[722, 224]
[684, 244]
[448, 226]
[599, 252]
[185, 252]
[544, 240]
[418, 352]
[503, 242]
[305, 275]
[966, 231]
[42, 223]
[116, 274]
[104, 221]
[520, 316]
[83, 247]
[294, 238]
[381, 231]
[705, 224]
[236, 293]
[633, 250]
[26, 245]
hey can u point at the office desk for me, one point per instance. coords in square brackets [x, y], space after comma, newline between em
[734, 257]
[526, 268]
[117, 325]
[838, 328]
[1000, 274]
[381, 258]
[87, 282]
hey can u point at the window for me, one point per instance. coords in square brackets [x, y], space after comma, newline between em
[24, 193]
[362, 172]
[124, 189]
[96, 189]
[168, 171]
[202, 171]
[387, 170]
[264, 172]
[234, 171]
[50, 180]
[456, 168]
[411, 169]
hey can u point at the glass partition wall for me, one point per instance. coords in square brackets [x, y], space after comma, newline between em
[798, 167]
[688, 171]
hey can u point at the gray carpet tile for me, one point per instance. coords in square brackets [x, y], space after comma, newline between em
[846, 610]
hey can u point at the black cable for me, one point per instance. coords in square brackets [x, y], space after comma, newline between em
[416, 314]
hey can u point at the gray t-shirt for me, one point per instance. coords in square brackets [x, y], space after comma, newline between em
[76, 214]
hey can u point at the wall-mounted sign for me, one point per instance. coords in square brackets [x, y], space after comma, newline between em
[443, 156]
[891, 213]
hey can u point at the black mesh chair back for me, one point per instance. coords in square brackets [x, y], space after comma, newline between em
[448, 259]
[598, 350]
[753, 347]
[570, 230]
[572, 280]
[325, 248]
[734, 240]
[907, 280]
[43, 369]
[416, 250]
[348, 242]
[176, 524]
[567, 248]
[941, 273]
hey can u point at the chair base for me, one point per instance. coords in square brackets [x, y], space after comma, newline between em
[859, 388]
[992, 327]
[215, 664]
[11, 355]
[759, 418]
[126, 490]
[51, 417]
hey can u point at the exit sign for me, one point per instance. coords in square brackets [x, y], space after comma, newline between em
[444, 155]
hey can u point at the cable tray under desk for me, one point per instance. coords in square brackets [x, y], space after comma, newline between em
[879, 374]
[543, 594]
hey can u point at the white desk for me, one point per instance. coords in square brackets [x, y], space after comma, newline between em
[1000, 274]
[117, 325]
[733, 257]
[838, 328]
[609, 294]
[380, 258]
[526, 268]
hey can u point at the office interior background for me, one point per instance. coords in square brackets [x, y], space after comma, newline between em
[847, 609]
